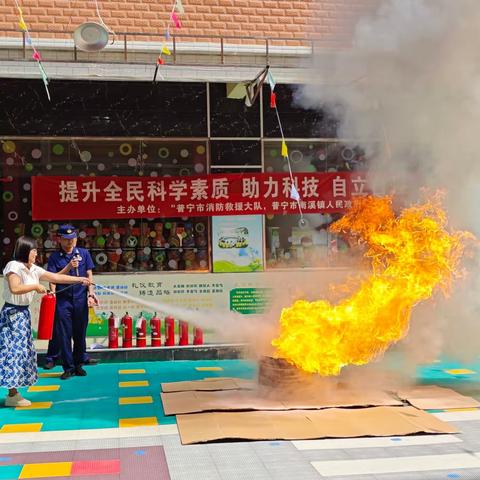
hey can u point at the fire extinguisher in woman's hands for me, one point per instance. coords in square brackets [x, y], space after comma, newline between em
[47, 316]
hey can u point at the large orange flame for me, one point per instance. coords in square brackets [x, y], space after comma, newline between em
[412, 256]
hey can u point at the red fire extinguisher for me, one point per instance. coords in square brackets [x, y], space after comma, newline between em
[127, 331]
[141, 328]
[155, 328]
[113, 325]
[46, 317]
[169, 331]
[197, 336]
[183, 327]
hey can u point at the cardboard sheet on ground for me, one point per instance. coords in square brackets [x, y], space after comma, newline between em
[431, 397]
[176, 403]
[308, 424]
[209, 384]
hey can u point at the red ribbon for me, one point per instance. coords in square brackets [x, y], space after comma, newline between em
[273, 100]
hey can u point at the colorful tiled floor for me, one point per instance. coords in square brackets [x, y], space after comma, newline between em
[110, 425]
[92, 464]
[110, 396]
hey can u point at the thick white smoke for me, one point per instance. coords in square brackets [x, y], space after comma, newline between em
[411, 85]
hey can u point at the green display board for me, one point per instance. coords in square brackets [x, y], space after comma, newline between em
[250, 300]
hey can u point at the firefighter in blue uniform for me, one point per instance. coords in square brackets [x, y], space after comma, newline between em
[71, 312]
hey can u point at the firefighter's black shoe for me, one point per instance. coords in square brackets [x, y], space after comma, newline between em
[49, 365]
[67, 374]
[80, 372]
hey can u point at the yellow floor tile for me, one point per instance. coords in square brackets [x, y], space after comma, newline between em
[135, 370]
[46, 470]
[50, 375]
[44, 388]
[460, 371]
[36, 406]
[472, 409]
[209, 369]
[139, 383]
[21, 427]
[134, 400]
[138, 422]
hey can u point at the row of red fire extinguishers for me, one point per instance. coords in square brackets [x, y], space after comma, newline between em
[125, 324]
[47, 314]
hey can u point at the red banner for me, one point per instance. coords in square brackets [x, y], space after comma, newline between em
[79, 198]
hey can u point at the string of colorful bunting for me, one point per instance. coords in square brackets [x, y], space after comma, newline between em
[36, 55]
[294, 195]
[173, 21]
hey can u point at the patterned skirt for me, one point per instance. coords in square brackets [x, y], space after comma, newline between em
[18, 359]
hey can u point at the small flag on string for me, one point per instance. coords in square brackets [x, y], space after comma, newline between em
[271, 81]
[28, 39]
[167, 34]
[160, 61]
[294, 193]
[43, 72]
[22, 25]
[284, 149]
[236, 90]
[36, 56]
[179, 6]
[273, 100]
[253, 90]
[165, 50]
[176, 20]
[44, 78]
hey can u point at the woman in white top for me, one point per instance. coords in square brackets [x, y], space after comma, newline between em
[18, 359]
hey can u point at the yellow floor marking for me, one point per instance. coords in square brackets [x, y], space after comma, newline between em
[36, 406]
[209, 369]
[139, 383]
[46, 470]
[134, 400]
[460, 371]
[138, 422]
[21, 427]
[472, 409]
[50, 375]
[44, 388]
[135, 370]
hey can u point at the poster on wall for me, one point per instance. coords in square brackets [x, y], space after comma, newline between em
[237, 243]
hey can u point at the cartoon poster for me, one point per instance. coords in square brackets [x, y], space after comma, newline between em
[237, 243]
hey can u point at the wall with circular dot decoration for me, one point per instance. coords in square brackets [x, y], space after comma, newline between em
[58, 149]
[8, 146]
[129, 245]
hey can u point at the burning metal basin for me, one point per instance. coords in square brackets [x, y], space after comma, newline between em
[278, 373]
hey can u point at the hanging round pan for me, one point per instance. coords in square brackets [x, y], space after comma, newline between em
[90, 37]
